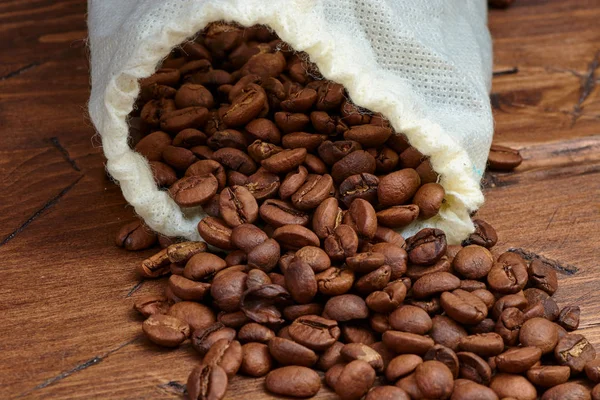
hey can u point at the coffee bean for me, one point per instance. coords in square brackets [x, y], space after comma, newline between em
[285, 161]
[409, 385]
[315, 257]
[518, 360]
[300, 310]
[264, 130]
[468, 390]
[207, 382]
[542, 276]
[388, 235]
[300, 281]
[596, 392]
[426, 247]
[398, 216]
[473, 262]
[502, 158]
[511, 300]
[395, 257]
[387, 393]
[592, 370]
[444, 355]
[429, 198]
[473, 368]
[326, 218]
[253, 332]
[238, 206]
[227, 290]
[410, 319]
[155, 266]
[354, 163]
[198, 316]
[406, 342]
[294, 237]
[447, 332]
[287, 352]
[398, 187]
[388, 299]
[570, 390]
[247, 236]
[509, 324]
[203, 266]
[331, 357]
[225, 354]
[291, 122]
[359, 351]
[164, 175]
[187, 289]
[279, 213]
[163, 76]
[135, 236]
[509, 274]
[434, 283]
[265, 255]
[216, 232]
[166, 330]
[356, 333]
[335, 281]
[294, 381]
[508, 385]
[483, 344]
[416, 272]
[256, 359]
[359, 186]
[484, 235]
[296, 140]
[194, 190]
[434, 380]
[342, 243]
[355, 380]
[539, 332]
[362, 218]
[235, 319]
[574, 351]
[548, 375]
[150, 304]
[313, 192]
[152, 146]
[402, 365]
[316, 333]
[246, 106]
[346, 307]
[463, 306]
[363, 263]
[293, 182]
[354, 115]
[259, 150]
[373, 281]
[203, 339]
[368, 135]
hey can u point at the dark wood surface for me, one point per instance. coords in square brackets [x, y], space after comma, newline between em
[66, 291]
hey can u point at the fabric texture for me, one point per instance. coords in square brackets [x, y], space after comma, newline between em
[425, 65]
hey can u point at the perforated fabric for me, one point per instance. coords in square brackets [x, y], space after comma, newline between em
[426, 65]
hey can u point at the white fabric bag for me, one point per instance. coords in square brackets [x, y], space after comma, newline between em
[424, 64]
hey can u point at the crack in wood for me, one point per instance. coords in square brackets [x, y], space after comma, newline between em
[80, 367]
[564, 268]
[174, 387]
[509, 71]
[65, 153]
[19, 71]
[39, 212]
[135, 288]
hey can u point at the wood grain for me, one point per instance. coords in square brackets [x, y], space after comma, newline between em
[68, 329]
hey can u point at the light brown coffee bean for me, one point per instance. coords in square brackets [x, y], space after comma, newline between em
[216, 232]
[335, 281]
[300, 281]
[194, 190]
[407, 343]
[166, 330]
[434, 283]
[508, 385]
[256, 359]
[473, 262]
[227, 289]
[463, 306]
[355, 380]
[539, 332]
[410, 319]
[294, 381]
[388, 299]
[502, 158]
[548, 375]
[398, 187]
[207, 382]
[398, 216]
[151, 304]
[155, 266]
[203, 339]
[346, 307]
[574, 351]
[288, 352]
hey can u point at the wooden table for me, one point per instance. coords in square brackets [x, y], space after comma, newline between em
[68, 330]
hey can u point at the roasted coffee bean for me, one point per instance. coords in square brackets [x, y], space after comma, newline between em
[246, 106]
[362, 218]
[265, 255]
[291, 122]
[203, 339]
[379, 323]
[333, 374]
[187, 289]
[235, 319]
[426, 247]
[592, 370]
[387, 393]
[178, 120]
[373, 281]
[155, 266]
[300, 281]
[189, 138]
[542, 276]
[135, 236]
[468, 390]
[259, 150]
[193, 95]
[256, 359]
[204, 167]
[207, 382]
[294, 237]
[447, 332]
[406, 342]
[197, 316]
[331, 357]
[203, 266]
[397, 216]
[355, 333]
[345, 307]
[332, 152]
[509, 324]
[264, 130]
[539, 332]
[354, 115]
[416, 272]
[574, 351]
[235, 160]
[326, 218]
[502, 158]
[163, 76]
[473, 368]
[486, 326]
[486, 296]
[238, 206]
[285, 161]
[429, 198]
[359, 351]
[365, 262]
[355, 380]
[434, 380]
[410, 319]
[164, 175]
[398, 187]
[226, 354]
[463, 306]
[510, 300]
[570, 390]
[315, 257]
[471, 285]
[150, 304]
[431, 306]
[279, 213]
[254, 332]
[216, 232]
[518, 360]
[386, 354]
[509, 385]
[256, 279]
[296, 140]
[435, 283]
[409, 385]
[484, 235]
[293, 182]
[548, 375]
[335, 281]
[294, 381]
[342, 243]
[227, 290]
[411, 158]
[483, 344]
[300, 310]
[509, 274]
[287, 352]
[183, 251]
[166, 330]
[395, 257]
[444, 355]
[368, 135]
[388, 235]
[262, 184]
[316, 189]
[360, 186]
[247, 236]
[354, 163]
[386, 159]
[316, 333]
[473, 262]
[194, 190]
[402, 365]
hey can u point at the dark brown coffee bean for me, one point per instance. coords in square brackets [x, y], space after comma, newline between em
[238, 206]
[373, 281]
[368, 135]
[398, 216]
[155, 266]
[193, 95]
[198, 316]
[292, 182]
[471, 285]
[509, 324]
[406, 342]
[355, 380]
[166, 330]
[426, 172]
[386, 159]
[474, 368]
[296, 311]
[354, 163]
[435, 283]
[484, 235]
[355, 333]
[315, 165]
[286, 352]
[194, 190]
[207, 382]
[187, 289]
[203, 339]
[294, 381]
[592, 370]
[516, 386]
[204, 167]
[234, 319]
[429, 199]
[486, 296]
[343, 243]
[468, 390]
[360, 186]
[326, 218]
[235, 160]
[447, 332]
[574, 351]
[363, 263]
[227, 290]
[332, 152]
[216, 232]
[257, 279]
[285, 161]
[398, 187]
[247, 236]
[502, 158]
[335, 281]
[395, 257]
[402, 365]
[256, 359]
[426, 247]
[259, 151]
[483, 344]
[473, 262]
[254, 332]
[315, 257]
[416, 272]
[354, 115]
[135, 236]
[362, 218]
[163, 76]
[567, 391]
[539, 332]
[178, 120]
[225, 354]
[548, 375]
[444, 355]
[203, 266]
[300, 281]
[296, 140]
[227, 138]
[509, 274]
[316, 189]
[434, 380]
[387, 393]
[409, 385]
[411, 158]
[331, 357]
[518, 360]
[316, 333]
[291, 122]
[264, 130]
[463, 306]
[596, 392]
[150, 304]
[279, 213]
[379, 323]
[164, 175]
[542, 276]
[388, 299]
[410, 319]
[294, 237]
[246, 106]
[359, 351]
[516, 300]
[265, 255]
[332, 375]
[345, 307]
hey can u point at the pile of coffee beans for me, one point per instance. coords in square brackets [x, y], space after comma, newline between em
[303, 190]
